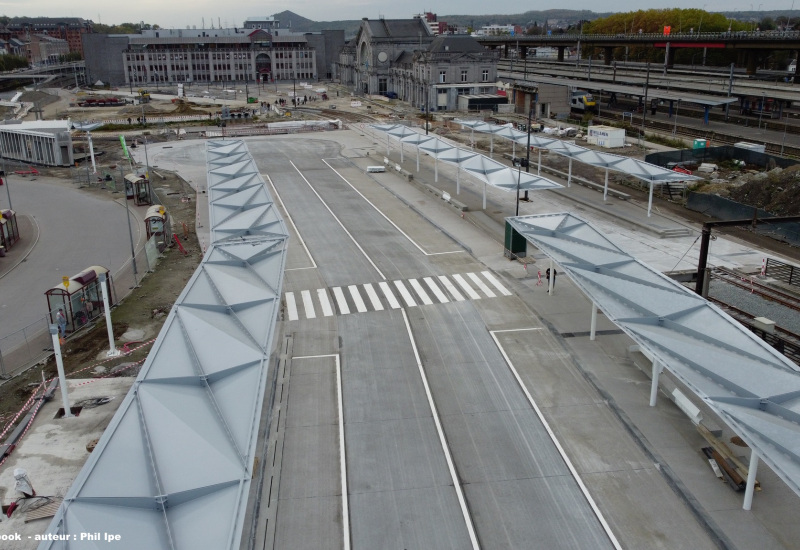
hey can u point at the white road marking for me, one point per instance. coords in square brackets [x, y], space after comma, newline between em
[456, 483]
[308, 303]
[420, 292]
[291, 306]
[436, 290]
[555, 441]
[360, 305]
[468, 289]
[291, 221]
[327, 310]
[451, 288]
[342, 449]
[492, 279]
[477, 280]
[373, 297]
[328, 208]
[386, 217]
[404, 293]
[341, 300]
[387, 291]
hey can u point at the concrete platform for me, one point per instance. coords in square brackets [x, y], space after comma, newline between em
[54, 451]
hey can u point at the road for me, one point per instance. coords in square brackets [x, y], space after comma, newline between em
[427, 397]
[77, 229]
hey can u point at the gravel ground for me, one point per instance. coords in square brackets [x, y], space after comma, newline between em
[783, 316]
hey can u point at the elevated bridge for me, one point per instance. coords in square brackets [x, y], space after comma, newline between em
[748, 44]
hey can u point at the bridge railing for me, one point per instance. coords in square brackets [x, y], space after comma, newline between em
[649, 37]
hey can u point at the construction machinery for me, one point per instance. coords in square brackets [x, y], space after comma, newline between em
[144, 96]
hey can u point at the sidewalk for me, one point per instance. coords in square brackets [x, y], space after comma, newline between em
[29, 230]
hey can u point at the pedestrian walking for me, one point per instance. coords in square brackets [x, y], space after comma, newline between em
[547, 275]
[61, 320]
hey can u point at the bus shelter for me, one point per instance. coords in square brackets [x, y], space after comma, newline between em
[138, 188]
[157, 224]
[80, 297]
[9, 230]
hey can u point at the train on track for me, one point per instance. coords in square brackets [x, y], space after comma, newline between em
[582, 101]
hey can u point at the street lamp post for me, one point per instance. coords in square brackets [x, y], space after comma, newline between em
[130, 230]
[528, 151]
[8, 191]
[644, 105]
[785, 125]
[675, 126]
[761, 109]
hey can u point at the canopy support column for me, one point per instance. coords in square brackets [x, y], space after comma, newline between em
[650, 200]
[112, 349]
[484, 195]
[657, 367]
[417, 158]
[62, 378]
[491, 146]
[593, 329]
[435, 168]
[401, 152]
[569, 174]
[751, 480]
[458, 183]
[539, 164]
[605, 186]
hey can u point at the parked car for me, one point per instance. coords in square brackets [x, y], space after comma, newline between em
[390, 95]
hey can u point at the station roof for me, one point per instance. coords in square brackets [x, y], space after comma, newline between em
[750, 385]
[174, 467]
[633, 167]
[482, 167]
[588, 85]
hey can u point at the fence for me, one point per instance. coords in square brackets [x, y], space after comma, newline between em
[787, 273]
[33, 343]
[726, 209]
[718, 154]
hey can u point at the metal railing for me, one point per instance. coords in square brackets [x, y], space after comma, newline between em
[787, 273]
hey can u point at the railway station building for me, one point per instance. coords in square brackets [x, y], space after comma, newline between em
[404, 58]
[169, 56]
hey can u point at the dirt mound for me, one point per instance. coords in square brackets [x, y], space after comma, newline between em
[40, 98]
[778, 193]
[137, 110]
[187, 109]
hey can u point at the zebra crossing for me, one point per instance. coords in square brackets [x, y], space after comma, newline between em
[344, 300]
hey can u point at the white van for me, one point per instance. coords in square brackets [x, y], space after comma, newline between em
[792, 67]
[374, 169]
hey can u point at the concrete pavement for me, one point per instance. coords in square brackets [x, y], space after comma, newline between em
[664, 458]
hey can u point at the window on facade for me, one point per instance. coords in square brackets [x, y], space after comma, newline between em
[464, 74]
[442, 77]
[463, 91]
[382, 85]
[485, 75]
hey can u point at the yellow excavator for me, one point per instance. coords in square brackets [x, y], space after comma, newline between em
[144, 96]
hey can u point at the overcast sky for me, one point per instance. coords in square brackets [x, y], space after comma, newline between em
[186, 13]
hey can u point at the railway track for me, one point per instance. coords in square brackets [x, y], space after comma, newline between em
[753, 286]
[716, 137]
[784, 340]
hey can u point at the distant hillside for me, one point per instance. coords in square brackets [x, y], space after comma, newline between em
[350, 27]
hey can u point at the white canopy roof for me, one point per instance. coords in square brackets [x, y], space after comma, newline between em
[482, 167]
[633, 167]
[174, 467]
[754, 388]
